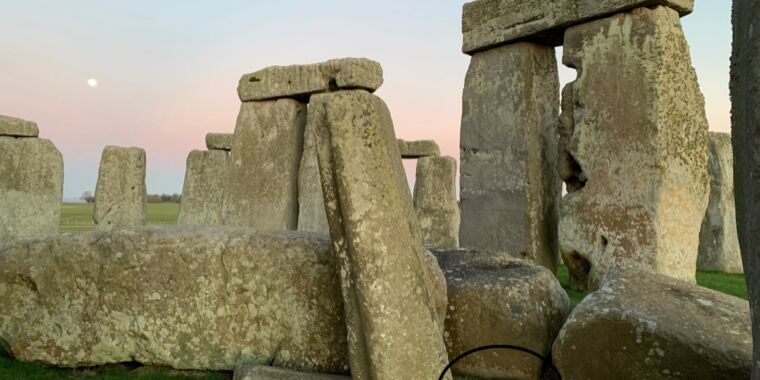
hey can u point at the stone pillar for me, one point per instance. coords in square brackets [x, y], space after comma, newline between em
[435, 201]
[120, 195]
[311, 203]
[633, 148]
[203, 192]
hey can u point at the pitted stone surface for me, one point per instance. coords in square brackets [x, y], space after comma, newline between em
[203, 192]
[418, 148]
[489, 23]
[301, 81]
[259, 372]
[220, 141]
[311, 203]
[633, 148]
[435, 201]
[11, 126]
[121, 197]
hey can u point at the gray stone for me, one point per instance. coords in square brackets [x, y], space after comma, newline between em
[301, 81]
[31, 189]
[509, 184]
[393, 330]
[718, 242]
[121, 197]
[418, 148]
[311, 203]
[203, 192]
[262, 190]
[435, 201]
[745, 117]
[11, 126]
[642, 325]
[220, 141]
[259, 372]
[633, 148]
[489, 23]
[496, 299]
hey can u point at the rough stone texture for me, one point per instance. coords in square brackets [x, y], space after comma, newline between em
[259, 372]
[745, 117]
[189, 297]
[435, 201]
[418, 148]
[31, 189]
[393, 329]
[262, 190]
[11, 126]
[509, 184]
[300, 81]
[121, 197]
[203, 192]
[642, 325]
[219, 141]
[311, 203]
[718, 242]
[633, 148]
[488, 23]
[497, 299]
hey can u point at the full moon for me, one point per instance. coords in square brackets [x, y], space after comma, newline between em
[92, 82]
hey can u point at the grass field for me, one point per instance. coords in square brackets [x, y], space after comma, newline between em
[78, 216]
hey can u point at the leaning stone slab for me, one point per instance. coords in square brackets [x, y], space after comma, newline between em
[259, 372]
[311, 203]
[11, 126]
[203, 192]
[121, 197]
[509, 184]
[634, 160]
[301, 81]
[418, 148]
[435, 201]
[642, 325]
[489, 23]
[219, 141]
[31, 189]
[393, 331]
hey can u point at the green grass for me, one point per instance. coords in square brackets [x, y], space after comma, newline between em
[77, 217]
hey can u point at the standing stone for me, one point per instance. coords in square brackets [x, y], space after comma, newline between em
[220, 141]
[634, 148]
[435, 201]
[262, 189]
[121, 197]
[393, 329]
[718, 243]
[203, 192]
[311, 203]
[509, 182]
[745, 117]
[11, 126]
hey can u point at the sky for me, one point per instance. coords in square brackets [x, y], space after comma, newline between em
[167, 71]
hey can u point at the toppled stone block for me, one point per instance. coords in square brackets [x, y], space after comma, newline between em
[259, 372]
[642, 325]
[490, 23]
[301, 81]
[121, 197]
[311, 203]
[219, 141]
[418, 148]
[203, 191]
[15, 127]
[435, 201]
[633, 148]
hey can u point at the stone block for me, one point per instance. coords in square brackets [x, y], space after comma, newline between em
[219, 141]
[121, 198]
[435, 201]
[15, 127]
[418, 148]
[206, 176]
[260, 372]
[311, 203]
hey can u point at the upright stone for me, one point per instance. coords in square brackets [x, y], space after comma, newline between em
[393, 329]
[203, 192]
[745, 117]
[220, 141]
[435, 201]
[311, 203]
[509, 182]
[634, 149]
[15, 127]
[262, 189]
[120, 195]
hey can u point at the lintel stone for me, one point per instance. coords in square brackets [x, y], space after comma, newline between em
[11, 126]
[418, 149]
[219, 141]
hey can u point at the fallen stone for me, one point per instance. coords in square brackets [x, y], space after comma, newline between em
[510, 189]
[490, 23]
[311, 203]
[435, 201]
[642, 325]
[219, 141]
[259, 372]
[121, 197]
[301, 81]
[203, 192]
[495, 299]
[11, 126]
[634, 161]
[418, 148]
[31, 189]
[262, 189]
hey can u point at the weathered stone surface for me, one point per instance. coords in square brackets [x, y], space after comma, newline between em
[259, 372]
[262, 190]
[496, 299]
[718, 242]
[642, 325]
[301, 81]
[393, 330]
[745, 117]
[189, 297]
[418, 148]
[435, 201]
[311, 203]
[31, 189]
[11, 126]
[203, 192]
[220, 141]
[121, 197]
[489, 23]
[509, 184]
[633, 148]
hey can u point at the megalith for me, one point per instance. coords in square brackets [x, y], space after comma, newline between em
[203, 191]
[311, 203]
[219, 141]
[633, 148]
[418, 148]
[435, 201]
[121, 197]
[15, 127]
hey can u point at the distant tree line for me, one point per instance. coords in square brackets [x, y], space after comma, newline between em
[89, 197]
